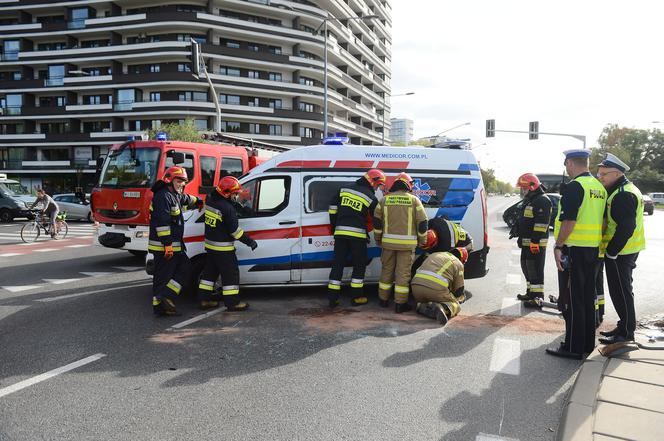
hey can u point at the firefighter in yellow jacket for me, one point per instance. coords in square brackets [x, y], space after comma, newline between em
[400, 225]
[438, 284]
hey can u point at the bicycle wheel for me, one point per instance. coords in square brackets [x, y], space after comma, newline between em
[61, 230]
[30, 232]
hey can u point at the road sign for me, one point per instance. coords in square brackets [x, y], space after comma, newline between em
[195, 57]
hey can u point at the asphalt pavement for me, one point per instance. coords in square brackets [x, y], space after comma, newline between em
[82, 357]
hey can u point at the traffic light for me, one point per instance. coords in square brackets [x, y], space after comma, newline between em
[533, 130]
[195, 57]
[490, 128]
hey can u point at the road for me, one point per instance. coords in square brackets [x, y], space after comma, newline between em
[287, 369]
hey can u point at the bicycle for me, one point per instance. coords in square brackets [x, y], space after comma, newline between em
[31, 231]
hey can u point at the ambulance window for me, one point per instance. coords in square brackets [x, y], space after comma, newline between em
[208, 167]
[320, 193]
[188, 164]
[231, 166]
[263, 197]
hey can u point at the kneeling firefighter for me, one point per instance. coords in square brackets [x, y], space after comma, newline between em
[349, 214]
[438, 284]
[221, 230]
[533, 232]
[400, 224]
[171, 265]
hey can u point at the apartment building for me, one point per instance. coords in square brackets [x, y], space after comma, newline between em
[77, 76]
[401, 130]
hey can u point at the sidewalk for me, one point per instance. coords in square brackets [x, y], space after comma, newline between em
[620, 397]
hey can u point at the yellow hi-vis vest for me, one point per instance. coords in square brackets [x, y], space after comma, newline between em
[637, 241]
[588, 228]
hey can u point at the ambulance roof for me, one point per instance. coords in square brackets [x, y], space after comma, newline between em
[361, 157]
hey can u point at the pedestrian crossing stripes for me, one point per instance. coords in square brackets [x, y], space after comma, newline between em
[9, 235]
[89, 274]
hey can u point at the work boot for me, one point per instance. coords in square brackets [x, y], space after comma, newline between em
[165, 307]
[242, 306]
[402, 307]
[384, 303]
[208, 304]
[535, 302]
[357, 301]
[433, 310]
[441, 315]
[610, 333]
[524, 297]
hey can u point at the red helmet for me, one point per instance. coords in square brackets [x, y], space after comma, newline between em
[406, 179]
[528, 182]
[432, 240]
[228, 186]
[175, 172]
[461, 253]
[375, 177]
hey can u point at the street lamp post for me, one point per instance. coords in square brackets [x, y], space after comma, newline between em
[382, 141]
[324, 25]
[452, 128]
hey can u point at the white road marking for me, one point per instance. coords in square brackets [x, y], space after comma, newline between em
[129, 268]
[45, 250]
[50, 374]
[69, 296]
[511, 307]
[197, 318]
[485, 437]
[96, 274]
[11, 254]
[77, 246]
[513, 279]
[60, 281]
[20, 288]
[505, 356]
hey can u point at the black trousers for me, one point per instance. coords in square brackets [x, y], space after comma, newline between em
[224, 264]
[599, 291]
[170, 275]
[578, 284]
[619, 279]
[532, 266]
[357, 248]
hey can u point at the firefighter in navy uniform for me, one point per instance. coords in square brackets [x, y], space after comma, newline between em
[349, 214]
[400, 225]
[221, 230]
[171, 264]
[578, 234]
[622, 240]
[533, 236]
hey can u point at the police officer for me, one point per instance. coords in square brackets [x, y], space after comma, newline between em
[578, 233]
[349, 214]
[438, 284]
[400, 226]
[533, 232]
[171, 264]
[622, 240]
[221, 230]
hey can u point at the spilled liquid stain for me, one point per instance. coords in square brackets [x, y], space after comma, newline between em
[343, 319]
[528, 324]
[180, 336]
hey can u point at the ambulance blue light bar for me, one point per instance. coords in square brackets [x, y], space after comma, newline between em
[335, 140]
[162, 136]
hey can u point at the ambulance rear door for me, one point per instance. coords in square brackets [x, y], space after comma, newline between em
[269, 211]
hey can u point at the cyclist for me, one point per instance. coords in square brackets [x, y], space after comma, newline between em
[49, 206]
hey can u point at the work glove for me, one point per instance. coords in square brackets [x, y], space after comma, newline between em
[253, 244]
[168, 252]
[200, 204]
[534, 248]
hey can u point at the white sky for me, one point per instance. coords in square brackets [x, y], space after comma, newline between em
[574, 66]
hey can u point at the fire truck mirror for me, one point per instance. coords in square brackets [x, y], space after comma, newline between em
[178, 157]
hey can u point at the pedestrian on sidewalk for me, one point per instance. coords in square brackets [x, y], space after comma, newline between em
[578, 233]
[622, 240]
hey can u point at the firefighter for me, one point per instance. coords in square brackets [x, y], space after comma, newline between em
[349, 213]
[533, 233]
[221, 230]
[443, 235]
[622, 240]
[438, 284]
[578, 233]
[400, 225]
[171, 264]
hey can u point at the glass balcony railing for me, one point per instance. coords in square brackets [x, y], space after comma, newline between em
[123, 106]
[54, 81]
[11, 110]
[10, 56]
[76, 24]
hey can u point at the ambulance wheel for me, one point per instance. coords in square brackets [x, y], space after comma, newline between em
[140, 254]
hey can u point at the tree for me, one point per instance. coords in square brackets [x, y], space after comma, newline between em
[179, 132]
[493, 185]
[642, 150]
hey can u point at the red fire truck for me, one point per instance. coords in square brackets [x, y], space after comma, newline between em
[121, 198]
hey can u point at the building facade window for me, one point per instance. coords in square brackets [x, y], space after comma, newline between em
[306, 132]
[276, 50]
[274, 76]
[230, 71]
[254, 128]
[306, 81]
[229, 99]
[275, 103]
[275, 129]
[305, 107]
[155, 96]
[154, 68]
[230, 126]
[253, 102]
[254, 47]
[253, 74]
[184, 67]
